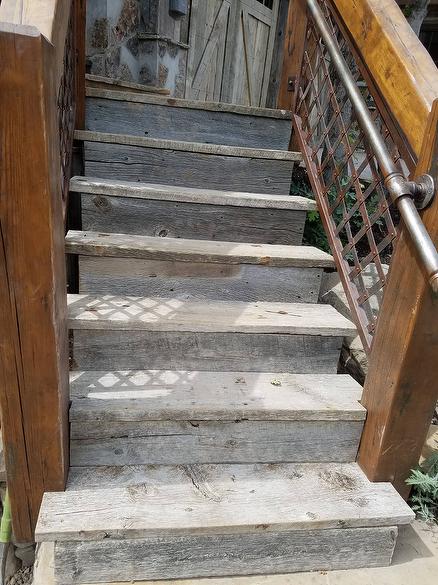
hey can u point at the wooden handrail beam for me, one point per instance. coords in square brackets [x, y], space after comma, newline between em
[400, 65]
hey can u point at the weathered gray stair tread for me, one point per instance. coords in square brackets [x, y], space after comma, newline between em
[184, 103]
[182, 250]
[193, 147]
[95, 82]
[174, 395]
[135, 502]
[188, 120]
[138, 190]
[109, 312]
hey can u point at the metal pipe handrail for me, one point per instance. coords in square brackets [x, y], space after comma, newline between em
[401, 190]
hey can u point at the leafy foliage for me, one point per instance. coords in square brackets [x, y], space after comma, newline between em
[424, 498]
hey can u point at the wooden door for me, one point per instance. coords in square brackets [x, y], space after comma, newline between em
[209, 24]
[231, 46]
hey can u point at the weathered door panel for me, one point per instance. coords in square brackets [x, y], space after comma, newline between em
[208, 34]
[231, 46]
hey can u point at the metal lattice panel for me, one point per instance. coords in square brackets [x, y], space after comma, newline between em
[66, 109]
[356, 209]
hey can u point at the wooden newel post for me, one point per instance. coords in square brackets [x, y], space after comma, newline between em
[33, 312]
[294, 40]
[401, 388]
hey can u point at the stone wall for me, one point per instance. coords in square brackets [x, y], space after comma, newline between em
[137, 40]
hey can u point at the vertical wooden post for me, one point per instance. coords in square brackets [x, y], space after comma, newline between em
[79, 15]
[401, 388]
[293, 51]
[33, 313]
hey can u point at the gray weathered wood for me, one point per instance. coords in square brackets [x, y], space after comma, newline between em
[140, 350]
[185, 395]
[109, 312]
[172, 102]
[163, 120]
[192, 220]
[189, 169]
[168, 442]
[122, 245]
[192, 147]
[176, 193]
[141, 501]
[221, 555]
[96, 82]
[200, 281]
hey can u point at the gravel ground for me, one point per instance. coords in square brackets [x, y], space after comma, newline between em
[21, 577]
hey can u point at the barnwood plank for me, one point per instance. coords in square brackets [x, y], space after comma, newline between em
[184, 250]
[193, 147]
[250, 352]
[221, 555]
[200, 280]
[160, 395]
[139, 190]
[33, 311]
[401, 387]
[173, 102]
[159, 120]
[127, 502]
[397, 60]
[189, 169]
[112, 313]
[100, 83]
[169, 442]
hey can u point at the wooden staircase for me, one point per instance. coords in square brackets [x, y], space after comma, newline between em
[210, 433]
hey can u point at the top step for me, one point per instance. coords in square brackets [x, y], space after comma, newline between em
[99, 81]
[156, 116]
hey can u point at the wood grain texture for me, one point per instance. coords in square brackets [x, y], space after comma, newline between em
[396, 59]
[293, 51]
[188, 169]
[192, 220]
[222, 555]
[401, 388]
[168, 442]
[33, 375]
[199, 281]
[176, 193]
[127, 502]
[121, 245]
[79, 24]
[173, 102]
[158, 120]
[185, 395]
[185, 146]
[131, 350]
[112, 313]
[100, 84]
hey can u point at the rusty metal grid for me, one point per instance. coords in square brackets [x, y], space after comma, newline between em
[66, 109]
[358, 217]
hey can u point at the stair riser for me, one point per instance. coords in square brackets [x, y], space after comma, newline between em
[192, 220]
[186, 442]
[223, 554]
[187, 280]
[188, 169]
[191, 125]
[141, 350]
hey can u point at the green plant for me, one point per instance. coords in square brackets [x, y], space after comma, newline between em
[424, 497]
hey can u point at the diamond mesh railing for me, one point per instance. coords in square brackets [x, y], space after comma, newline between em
[357, 211]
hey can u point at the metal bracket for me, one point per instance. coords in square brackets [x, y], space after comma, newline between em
[291, 83]
[422, 190]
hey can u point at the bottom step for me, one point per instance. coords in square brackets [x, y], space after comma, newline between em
[168, 522]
